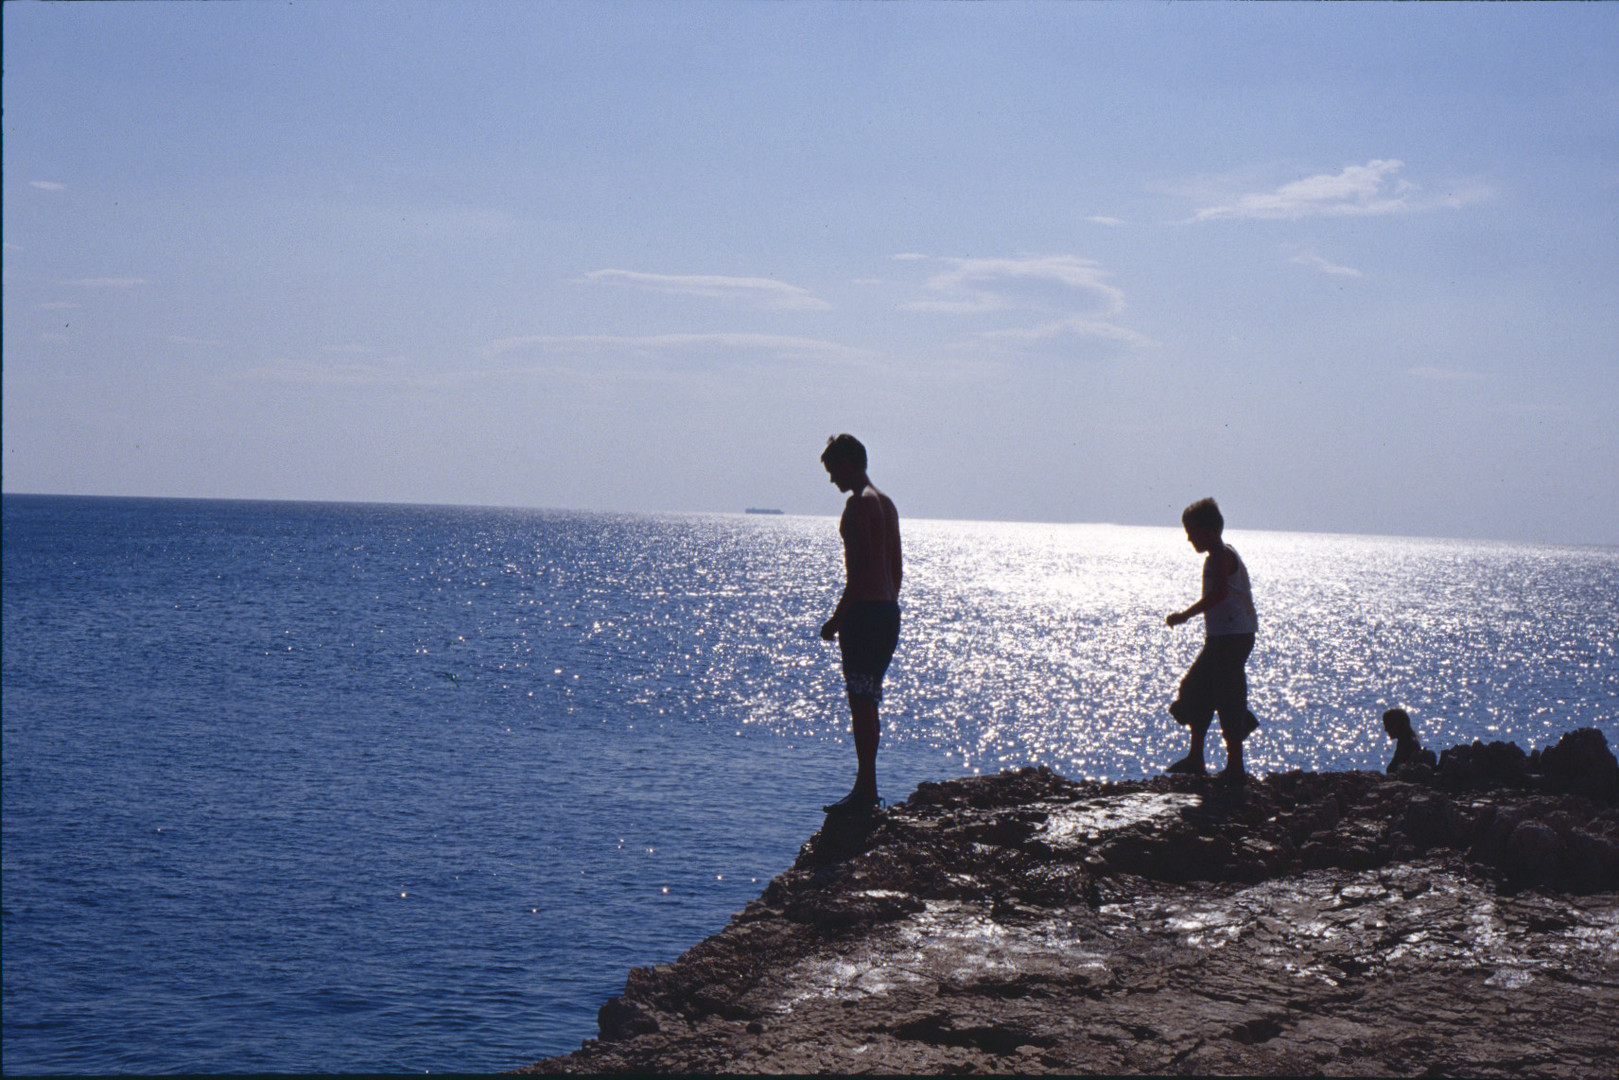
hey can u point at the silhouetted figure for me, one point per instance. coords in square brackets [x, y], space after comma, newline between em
[866, 621]
[1407, 750]
[1217, 681]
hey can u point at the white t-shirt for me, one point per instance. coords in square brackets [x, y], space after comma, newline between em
[1235, 614]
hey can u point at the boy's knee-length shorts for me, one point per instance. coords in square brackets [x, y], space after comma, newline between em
[1217, 682]
[867, 639]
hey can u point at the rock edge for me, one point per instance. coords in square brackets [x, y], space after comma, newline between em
[1458, 920]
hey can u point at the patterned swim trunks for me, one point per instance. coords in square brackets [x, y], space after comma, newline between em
[867, 638]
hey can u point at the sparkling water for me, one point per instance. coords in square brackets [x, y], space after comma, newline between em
[305, 787]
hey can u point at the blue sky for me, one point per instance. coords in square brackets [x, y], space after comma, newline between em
[1350, 268]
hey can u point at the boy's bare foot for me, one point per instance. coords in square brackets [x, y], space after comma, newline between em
[853, 802]
[1232, 776]
[1190, 766]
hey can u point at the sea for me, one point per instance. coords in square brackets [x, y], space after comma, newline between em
[303, 787]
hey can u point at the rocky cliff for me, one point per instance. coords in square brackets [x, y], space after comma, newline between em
[1462, 920]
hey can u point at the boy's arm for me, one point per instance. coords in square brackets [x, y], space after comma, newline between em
[849, 527]
[896, 568]
[1214, 588]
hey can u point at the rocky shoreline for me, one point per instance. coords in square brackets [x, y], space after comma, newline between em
[1462, 920]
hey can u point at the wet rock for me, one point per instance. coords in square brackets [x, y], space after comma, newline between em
[1532, 850]
[620, 1019]
[1420, 771]
[1581, 763]
[1492, 828]
[943, 1029]
[1481, 765]
[835, 911]
[1433, 821]
[1594, 855]
[1340, 923]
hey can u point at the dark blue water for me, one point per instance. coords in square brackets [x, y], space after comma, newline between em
[340, 788]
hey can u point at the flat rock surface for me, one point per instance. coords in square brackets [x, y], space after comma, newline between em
[1340, 923]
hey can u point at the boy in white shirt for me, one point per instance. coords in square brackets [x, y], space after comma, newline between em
[1217, 681]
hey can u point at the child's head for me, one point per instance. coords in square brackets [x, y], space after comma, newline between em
[1203, 514]
[1204, 523]
[845, 461]
[1397, 722]
[844, 448]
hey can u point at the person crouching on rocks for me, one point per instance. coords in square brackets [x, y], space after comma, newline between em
[1407, 750]
[1217, 681]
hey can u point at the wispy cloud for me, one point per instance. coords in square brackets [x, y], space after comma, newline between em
[750, 292]
[1357, 190]
[108, 282]
[47, 185]
[1045, 282]
[669, 346]
[1070, 296]
[1102, 219]
[1316, 262]
[1078, 326]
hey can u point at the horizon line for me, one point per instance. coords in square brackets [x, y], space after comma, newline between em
[742, 512]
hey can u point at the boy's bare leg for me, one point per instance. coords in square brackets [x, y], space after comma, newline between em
[1193, 761]
[1233, 758]
[1234, 734]
[866, 735]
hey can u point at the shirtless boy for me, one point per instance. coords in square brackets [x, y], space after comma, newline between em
[1217, 681]
[866, 621]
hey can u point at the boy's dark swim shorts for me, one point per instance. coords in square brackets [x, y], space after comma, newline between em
[1217, 682]
[867, 638]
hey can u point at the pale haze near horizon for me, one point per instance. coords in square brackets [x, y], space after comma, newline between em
[1350, 268]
